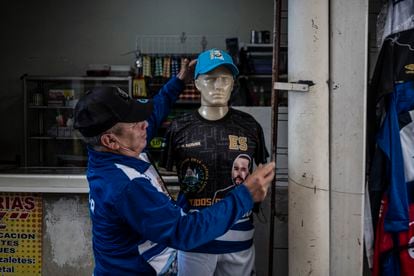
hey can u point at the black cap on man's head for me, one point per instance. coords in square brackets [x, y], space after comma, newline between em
[102, 107]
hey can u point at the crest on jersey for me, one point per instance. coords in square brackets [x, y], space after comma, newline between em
[193, 175]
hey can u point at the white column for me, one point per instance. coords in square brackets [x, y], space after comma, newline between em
[308, 136]
[349, 24]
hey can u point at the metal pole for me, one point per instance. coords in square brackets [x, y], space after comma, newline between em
[275, 112]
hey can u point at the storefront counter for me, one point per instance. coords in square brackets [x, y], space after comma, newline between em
[47, 180]
[52, 206]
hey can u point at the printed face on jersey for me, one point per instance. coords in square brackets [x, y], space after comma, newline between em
[215, 86]
[131, 137]
[240, 169]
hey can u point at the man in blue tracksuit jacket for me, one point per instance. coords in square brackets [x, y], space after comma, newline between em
[136, 226]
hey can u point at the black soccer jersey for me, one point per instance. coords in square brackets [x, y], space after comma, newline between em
[395, 64]
[211, 157]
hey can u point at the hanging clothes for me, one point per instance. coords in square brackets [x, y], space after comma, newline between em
[390, 141]
[394, 244]
[158, 67]
[402, 100]
[166, 70]
[399, 17]
[175, 66]
[395, 64]
[146, 66]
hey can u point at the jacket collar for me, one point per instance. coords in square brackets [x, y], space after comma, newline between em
[101, 159]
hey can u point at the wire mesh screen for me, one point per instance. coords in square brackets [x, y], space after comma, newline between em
[178, 44]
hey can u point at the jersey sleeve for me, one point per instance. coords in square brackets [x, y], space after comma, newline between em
[261, 153]
[152, 215]
[167, 158]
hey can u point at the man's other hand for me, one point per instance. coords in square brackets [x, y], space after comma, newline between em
[187, 70]
[259, 181]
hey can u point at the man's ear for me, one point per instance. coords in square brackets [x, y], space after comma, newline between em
[108, 141]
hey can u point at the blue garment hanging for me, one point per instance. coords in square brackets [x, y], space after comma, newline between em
[388, 139]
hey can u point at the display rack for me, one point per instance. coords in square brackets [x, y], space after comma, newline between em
[178, 44]
[50, 140]
[256, 73]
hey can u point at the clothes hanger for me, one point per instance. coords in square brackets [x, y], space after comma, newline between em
[394, 40]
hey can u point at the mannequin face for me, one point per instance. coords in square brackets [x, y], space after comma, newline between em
[215, 86]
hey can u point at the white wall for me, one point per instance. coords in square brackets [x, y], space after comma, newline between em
[63, 37]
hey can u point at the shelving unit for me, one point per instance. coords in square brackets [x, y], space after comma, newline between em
[157, 69]
[49, 138]
[256, 73]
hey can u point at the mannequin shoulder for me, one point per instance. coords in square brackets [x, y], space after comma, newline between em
[244, 120]
[184, 119]
[241, 115]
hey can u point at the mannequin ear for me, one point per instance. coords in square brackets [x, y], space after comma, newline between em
[197, 84]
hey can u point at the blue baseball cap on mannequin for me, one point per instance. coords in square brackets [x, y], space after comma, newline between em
[211, 59]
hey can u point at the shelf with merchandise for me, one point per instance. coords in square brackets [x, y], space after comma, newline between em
[154, 70]
[50, 140]
[255, 79]
[157, 70]
[190, 95]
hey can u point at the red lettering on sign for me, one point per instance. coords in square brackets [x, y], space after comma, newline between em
[29, 203]
[22, 203]
[17, 203]
[4, 202]
[14, 215]
[24, 215]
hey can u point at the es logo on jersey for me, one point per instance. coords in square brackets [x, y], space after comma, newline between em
[237, 143]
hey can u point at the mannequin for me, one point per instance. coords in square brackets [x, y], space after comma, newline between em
[209, 147]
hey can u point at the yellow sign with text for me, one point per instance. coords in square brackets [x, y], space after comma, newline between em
[20, 234]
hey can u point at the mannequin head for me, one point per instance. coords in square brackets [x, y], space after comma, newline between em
[215, 86]
[214, 77]
[211, 59]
